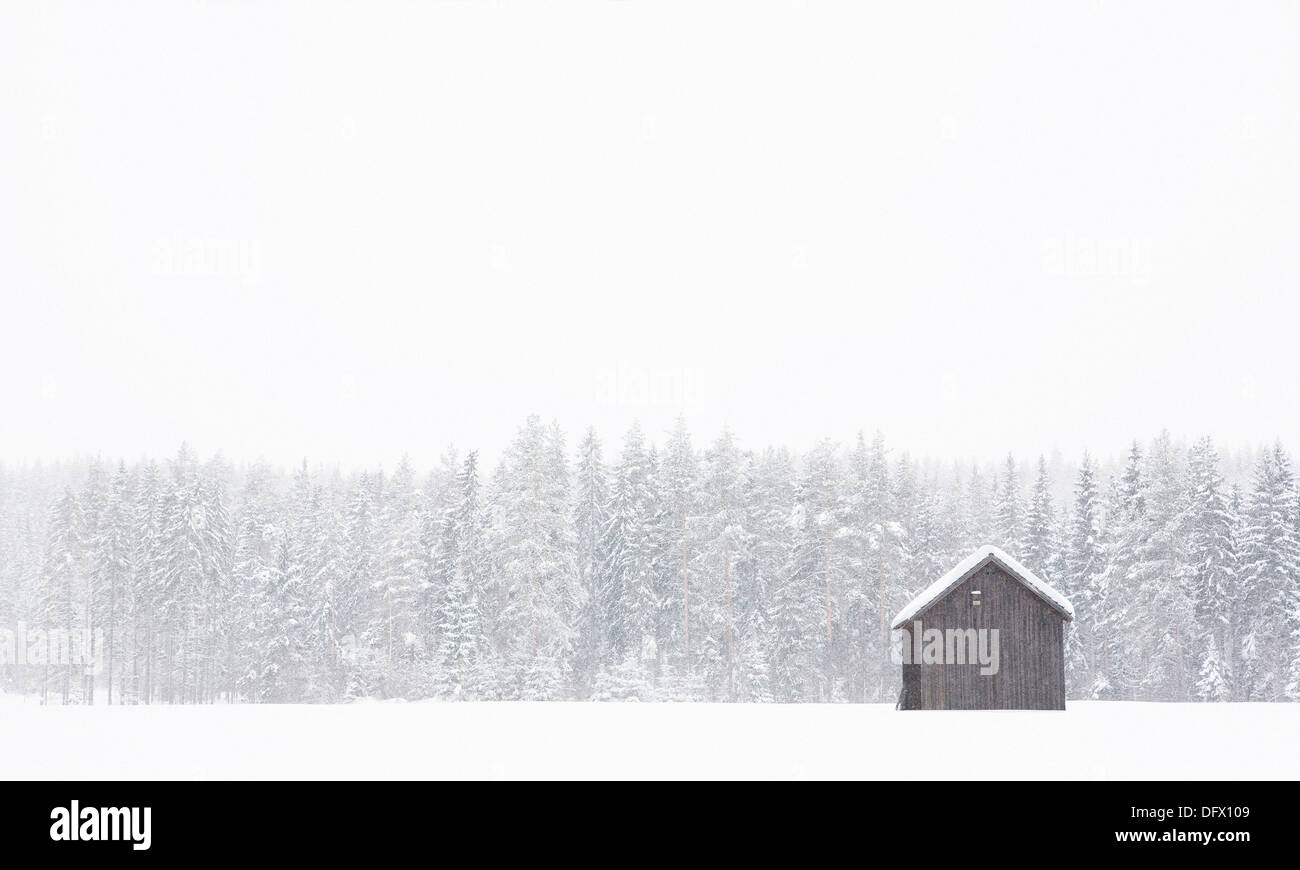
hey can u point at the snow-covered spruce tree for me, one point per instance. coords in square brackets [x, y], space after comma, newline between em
[323, 535]
[437, 497]
[658, 542]
[877, 544]
[725, 545]
[94, 497]
[859, 606]
[1270, 567]
[195, 553]
[363, 650]
[404, 568]
[113, 566]
[282, 607]
[146, 583]
[803, 612]
[61, 583]
[978, 509]
[793, 622]
[1085, 584]
[1117, 657]
[674, 485]
[1132, 485]
[533, 547]
[591, 501]
[182, 548]
[1211, 684]
[750, 605]
[1212, 570]
[1041, 549]
[441, 488]
[311, 562]
[625, 594]
[934, 545]
[216, 617]
[771, 488]
[1009, 510]
[257, 581]
[1237, 603]
[1167, 649]
[465, 650]
[913, 572]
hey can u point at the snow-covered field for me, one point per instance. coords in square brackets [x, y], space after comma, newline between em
[1091, 740]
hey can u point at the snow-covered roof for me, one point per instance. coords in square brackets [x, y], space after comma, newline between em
[971, 564]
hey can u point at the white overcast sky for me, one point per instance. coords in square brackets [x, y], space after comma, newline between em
[353, 230]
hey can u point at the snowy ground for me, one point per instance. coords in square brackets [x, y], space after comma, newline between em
[1091, 740]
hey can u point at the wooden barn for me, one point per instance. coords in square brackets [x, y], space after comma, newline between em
[988, 635]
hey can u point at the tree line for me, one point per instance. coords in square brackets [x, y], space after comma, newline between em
[652, 571]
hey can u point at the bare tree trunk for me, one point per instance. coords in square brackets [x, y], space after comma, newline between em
[884, 628]
[731, 668]
[112, 613]
[388, 609]
[135, 659]
[148, 663]
[828, 586]
[686, 602]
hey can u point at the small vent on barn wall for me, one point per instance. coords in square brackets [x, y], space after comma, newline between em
[975, 597]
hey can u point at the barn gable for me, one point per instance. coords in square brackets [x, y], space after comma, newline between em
[973, 563]
[1017, 619]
